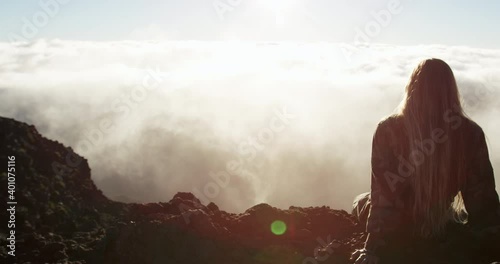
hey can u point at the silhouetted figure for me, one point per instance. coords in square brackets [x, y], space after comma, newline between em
[430, 166]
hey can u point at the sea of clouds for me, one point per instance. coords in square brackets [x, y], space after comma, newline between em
[237, 123]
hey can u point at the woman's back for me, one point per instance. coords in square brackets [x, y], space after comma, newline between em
[430, 164]
[395, 162]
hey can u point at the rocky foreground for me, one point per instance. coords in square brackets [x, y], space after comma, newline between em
[61, 217]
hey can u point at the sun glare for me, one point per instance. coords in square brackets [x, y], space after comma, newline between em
[278, 227]
[279, 7]
[273, 4]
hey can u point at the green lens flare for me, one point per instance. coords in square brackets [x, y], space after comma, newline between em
[278, 227]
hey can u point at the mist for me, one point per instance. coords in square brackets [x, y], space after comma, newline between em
[236, 123]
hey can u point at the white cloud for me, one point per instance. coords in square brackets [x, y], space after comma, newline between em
[212, 96]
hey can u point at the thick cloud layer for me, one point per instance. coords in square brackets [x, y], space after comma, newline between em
[236, 123]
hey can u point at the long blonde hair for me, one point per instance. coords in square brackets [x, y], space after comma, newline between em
[431, 101]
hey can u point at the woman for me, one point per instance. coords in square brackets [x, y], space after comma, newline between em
[430, 165]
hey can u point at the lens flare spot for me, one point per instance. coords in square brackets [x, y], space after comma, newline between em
[278, 227]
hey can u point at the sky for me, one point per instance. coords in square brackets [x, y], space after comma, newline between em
[239, 102]
[462, 23]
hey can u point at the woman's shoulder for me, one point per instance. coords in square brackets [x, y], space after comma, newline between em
[471, 126]
[389, 122]
[396, 121]
[389, 126]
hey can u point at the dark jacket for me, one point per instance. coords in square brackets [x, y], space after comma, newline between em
[391, 192]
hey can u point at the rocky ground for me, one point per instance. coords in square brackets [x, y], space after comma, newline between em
[61, 217]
